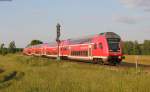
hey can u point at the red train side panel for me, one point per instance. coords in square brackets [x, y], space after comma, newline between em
[104, 48]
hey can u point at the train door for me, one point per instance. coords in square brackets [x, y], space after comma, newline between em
[94, 50]
[90, 51]
[100, 48]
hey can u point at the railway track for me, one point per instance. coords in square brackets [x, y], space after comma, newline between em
[124, 65]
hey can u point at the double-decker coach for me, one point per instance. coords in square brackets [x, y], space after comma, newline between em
[104, 48]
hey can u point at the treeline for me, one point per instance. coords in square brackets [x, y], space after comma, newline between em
[11, 48]
[135, 48]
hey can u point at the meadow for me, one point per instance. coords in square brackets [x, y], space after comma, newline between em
[19, 73]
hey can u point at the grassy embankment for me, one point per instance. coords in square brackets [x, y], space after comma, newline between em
[142, 59]
[34, 74]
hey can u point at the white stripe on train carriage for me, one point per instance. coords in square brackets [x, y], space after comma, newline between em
[63, 55]
[29, 54]
[100, 57]
[90, 57]
[37, 54]
[51, 55]
[80, 57]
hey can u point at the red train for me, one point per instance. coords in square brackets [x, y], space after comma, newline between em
[103, 48]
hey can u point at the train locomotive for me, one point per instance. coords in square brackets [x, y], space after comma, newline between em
[103, 48]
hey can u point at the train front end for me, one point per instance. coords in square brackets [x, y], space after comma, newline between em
[114, 45]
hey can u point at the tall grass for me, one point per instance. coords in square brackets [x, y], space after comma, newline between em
[142, 59]
[48, 75]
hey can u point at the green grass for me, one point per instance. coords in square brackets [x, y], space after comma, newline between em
[35, 74]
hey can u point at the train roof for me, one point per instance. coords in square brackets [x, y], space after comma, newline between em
[110, 35]
[85, 39]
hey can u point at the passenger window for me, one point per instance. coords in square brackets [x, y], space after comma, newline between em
[78, 53]
[95, 46]
[100, 46]
[81, 53]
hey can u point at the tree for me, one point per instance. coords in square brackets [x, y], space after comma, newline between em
[3, 50]
[2, 46]
[35, 42]
[146, 47]
[137, 49]
[12, 47]
[132, 48]
[19, 49]
[128, 47]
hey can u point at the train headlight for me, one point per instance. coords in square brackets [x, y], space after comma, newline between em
[119, 57]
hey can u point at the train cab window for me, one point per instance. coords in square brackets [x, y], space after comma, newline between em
[100, 46]
[95, 46]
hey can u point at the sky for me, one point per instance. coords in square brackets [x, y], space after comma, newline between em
[24, 20]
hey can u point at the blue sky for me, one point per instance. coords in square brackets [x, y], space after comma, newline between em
[25, 20]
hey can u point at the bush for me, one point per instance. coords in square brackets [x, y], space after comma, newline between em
[4, 51]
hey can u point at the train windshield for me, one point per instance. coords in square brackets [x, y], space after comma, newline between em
[113, 44]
